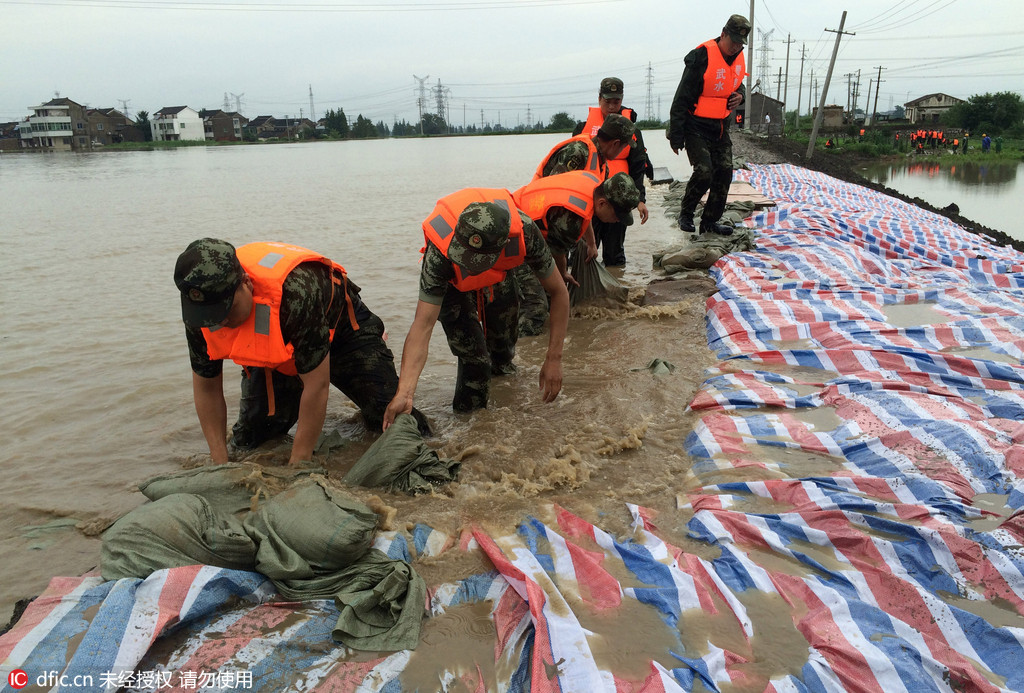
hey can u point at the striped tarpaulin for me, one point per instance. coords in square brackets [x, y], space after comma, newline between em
[850, 521]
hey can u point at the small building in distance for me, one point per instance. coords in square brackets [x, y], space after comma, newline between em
[929, 108]
[175, 123]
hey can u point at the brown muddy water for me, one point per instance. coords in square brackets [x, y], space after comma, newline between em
[97, 390]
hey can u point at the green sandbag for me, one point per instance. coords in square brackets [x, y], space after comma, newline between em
[596, 284]
[308, 531]
[401, 461]
[230, 488]
[177, 530]
[382, 605]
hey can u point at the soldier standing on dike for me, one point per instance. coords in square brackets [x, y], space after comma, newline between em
[475, 237]
[632, 160]
[295, 323]
[711, 87]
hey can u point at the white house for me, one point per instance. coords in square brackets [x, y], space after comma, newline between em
[176, 123]
[929, 108]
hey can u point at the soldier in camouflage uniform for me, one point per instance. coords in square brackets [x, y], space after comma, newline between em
[481, 324]
[571, 155]
[218, 292]
[706, 140]
[613, 201]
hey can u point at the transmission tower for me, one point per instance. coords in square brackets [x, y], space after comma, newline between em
[125, 102]
[421, 100]
[312, 113]
[649, 106]
[529, 118]
[441, 96]
[238, 101]
[227, 104]
[765, 61]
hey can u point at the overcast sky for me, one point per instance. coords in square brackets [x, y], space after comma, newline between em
[518, 61]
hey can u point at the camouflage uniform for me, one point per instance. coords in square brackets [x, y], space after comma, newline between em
[564, 228]
[481, 326]
[362, 366]
[706, 140]
[571, 157]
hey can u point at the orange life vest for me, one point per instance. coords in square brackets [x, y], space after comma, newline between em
[258, 341]
[439, 229]
[720, 81]
[594, 122]
[573, 191]
[595, 162]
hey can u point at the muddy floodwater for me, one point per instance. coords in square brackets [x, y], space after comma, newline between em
[97, 386]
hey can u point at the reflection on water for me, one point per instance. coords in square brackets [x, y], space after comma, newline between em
[984, 192]
[967, 172]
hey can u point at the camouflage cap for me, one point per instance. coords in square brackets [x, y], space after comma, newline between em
[738, 28]
[611, 88]
[621, 192]
[480, 235]
[618, 127]
[207, 275]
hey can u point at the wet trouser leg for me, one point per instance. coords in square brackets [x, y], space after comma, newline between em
[363, 368]
[721, 178]
[533, 302]
[254, 425]
[611, 238]
[501, 324]
[466, 339]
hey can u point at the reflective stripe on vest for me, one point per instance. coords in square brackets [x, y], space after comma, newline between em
[593, 164]
[439, 226]
[573, 191]
[720, 81]
[258, 342]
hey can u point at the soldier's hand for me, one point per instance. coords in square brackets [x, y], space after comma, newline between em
[401, 404]
[591, 252]
[550, 380]
[642, 209]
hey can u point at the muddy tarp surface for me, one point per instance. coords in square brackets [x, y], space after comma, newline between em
[853, 514]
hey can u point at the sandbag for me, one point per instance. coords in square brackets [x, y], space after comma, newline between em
[229, 488]
[309, 530]
[177, 530]
[400, 460]
[596, 284]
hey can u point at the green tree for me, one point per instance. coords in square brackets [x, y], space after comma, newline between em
[363, 128]
[1000, 111]
[336, 123]
[382, 129]
[142, 123]
[434, 124]
[562, 122]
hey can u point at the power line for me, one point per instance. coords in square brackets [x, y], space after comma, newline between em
[203, 6]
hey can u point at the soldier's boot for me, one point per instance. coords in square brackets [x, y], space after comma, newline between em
[715, 227]
[686, 223]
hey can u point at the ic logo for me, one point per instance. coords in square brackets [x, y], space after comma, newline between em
[17, 679]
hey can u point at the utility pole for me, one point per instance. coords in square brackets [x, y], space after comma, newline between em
[785, 100]
[800, 86]
[856, 96]
[849, 92]
[810, 94]
[878, 83]
[421, 100]
[828, 78]
[750, 62]
[778, 86]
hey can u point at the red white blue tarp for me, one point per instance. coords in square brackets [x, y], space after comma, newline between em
[858, 469]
